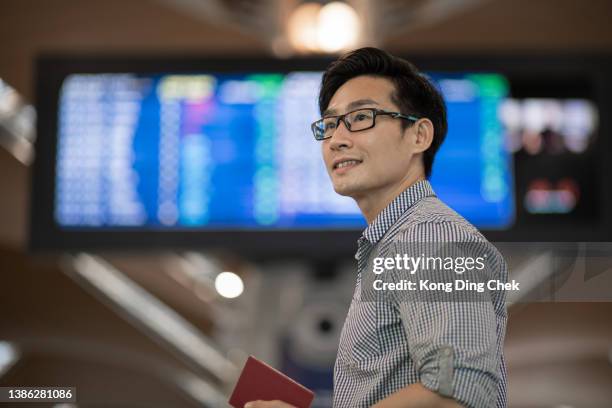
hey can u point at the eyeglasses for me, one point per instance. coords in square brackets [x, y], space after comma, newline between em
[355, 121]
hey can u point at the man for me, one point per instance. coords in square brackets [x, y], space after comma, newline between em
[382, 125]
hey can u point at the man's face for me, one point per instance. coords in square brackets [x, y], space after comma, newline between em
[383, 154]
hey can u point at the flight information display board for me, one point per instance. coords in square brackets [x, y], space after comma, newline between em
[225, 151]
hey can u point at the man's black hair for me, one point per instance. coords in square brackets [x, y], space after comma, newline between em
[414, 94]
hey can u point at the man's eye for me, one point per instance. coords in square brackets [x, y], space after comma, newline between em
[362, 116]
[330, 125]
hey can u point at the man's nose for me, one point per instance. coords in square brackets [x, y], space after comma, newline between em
[341, 138]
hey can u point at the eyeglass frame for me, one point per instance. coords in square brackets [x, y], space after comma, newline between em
[375, 112]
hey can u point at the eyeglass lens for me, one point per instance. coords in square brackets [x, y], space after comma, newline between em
[355, 121]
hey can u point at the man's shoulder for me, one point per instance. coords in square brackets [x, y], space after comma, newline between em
[430, 219]
[430, 223]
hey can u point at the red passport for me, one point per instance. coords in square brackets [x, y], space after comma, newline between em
[259, 381]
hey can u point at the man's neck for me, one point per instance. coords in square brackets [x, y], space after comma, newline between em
[375, 202]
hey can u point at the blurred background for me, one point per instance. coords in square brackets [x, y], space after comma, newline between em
[165, 212]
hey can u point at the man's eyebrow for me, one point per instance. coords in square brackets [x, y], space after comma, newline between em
[351, 106]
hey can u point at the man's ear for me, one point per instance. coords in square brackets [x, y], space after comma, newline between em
[422, 134]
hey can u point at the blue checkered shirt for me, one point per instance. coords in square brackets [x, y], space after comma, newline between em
[452, 348]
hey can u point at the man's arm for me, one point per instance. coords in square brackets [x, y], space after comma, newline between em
[452, 340]
[417, 396]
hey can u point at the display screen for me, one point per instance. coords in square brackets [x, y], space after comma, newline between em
[221, 151]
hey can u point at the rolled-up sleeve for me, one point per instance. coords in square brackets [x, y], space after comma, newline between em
[453, 342]
[453, 346]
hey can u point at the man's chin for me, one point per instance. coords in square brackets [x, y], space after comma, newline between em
[347, 191]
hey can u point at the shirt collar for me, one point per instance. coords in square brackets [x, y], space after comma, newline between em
[385, 220]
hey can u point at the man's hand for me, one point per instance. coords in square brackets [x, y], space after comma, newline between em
[267, 404]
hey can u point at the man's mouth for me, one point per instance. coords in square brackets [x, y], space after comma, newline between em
[345, 165]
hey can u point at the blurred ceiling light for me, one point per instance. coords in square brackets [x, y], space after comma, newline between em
[203, 274]
[302, 25]
[8, 356]
[330, 28]
[229, 285]
[338, 27]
